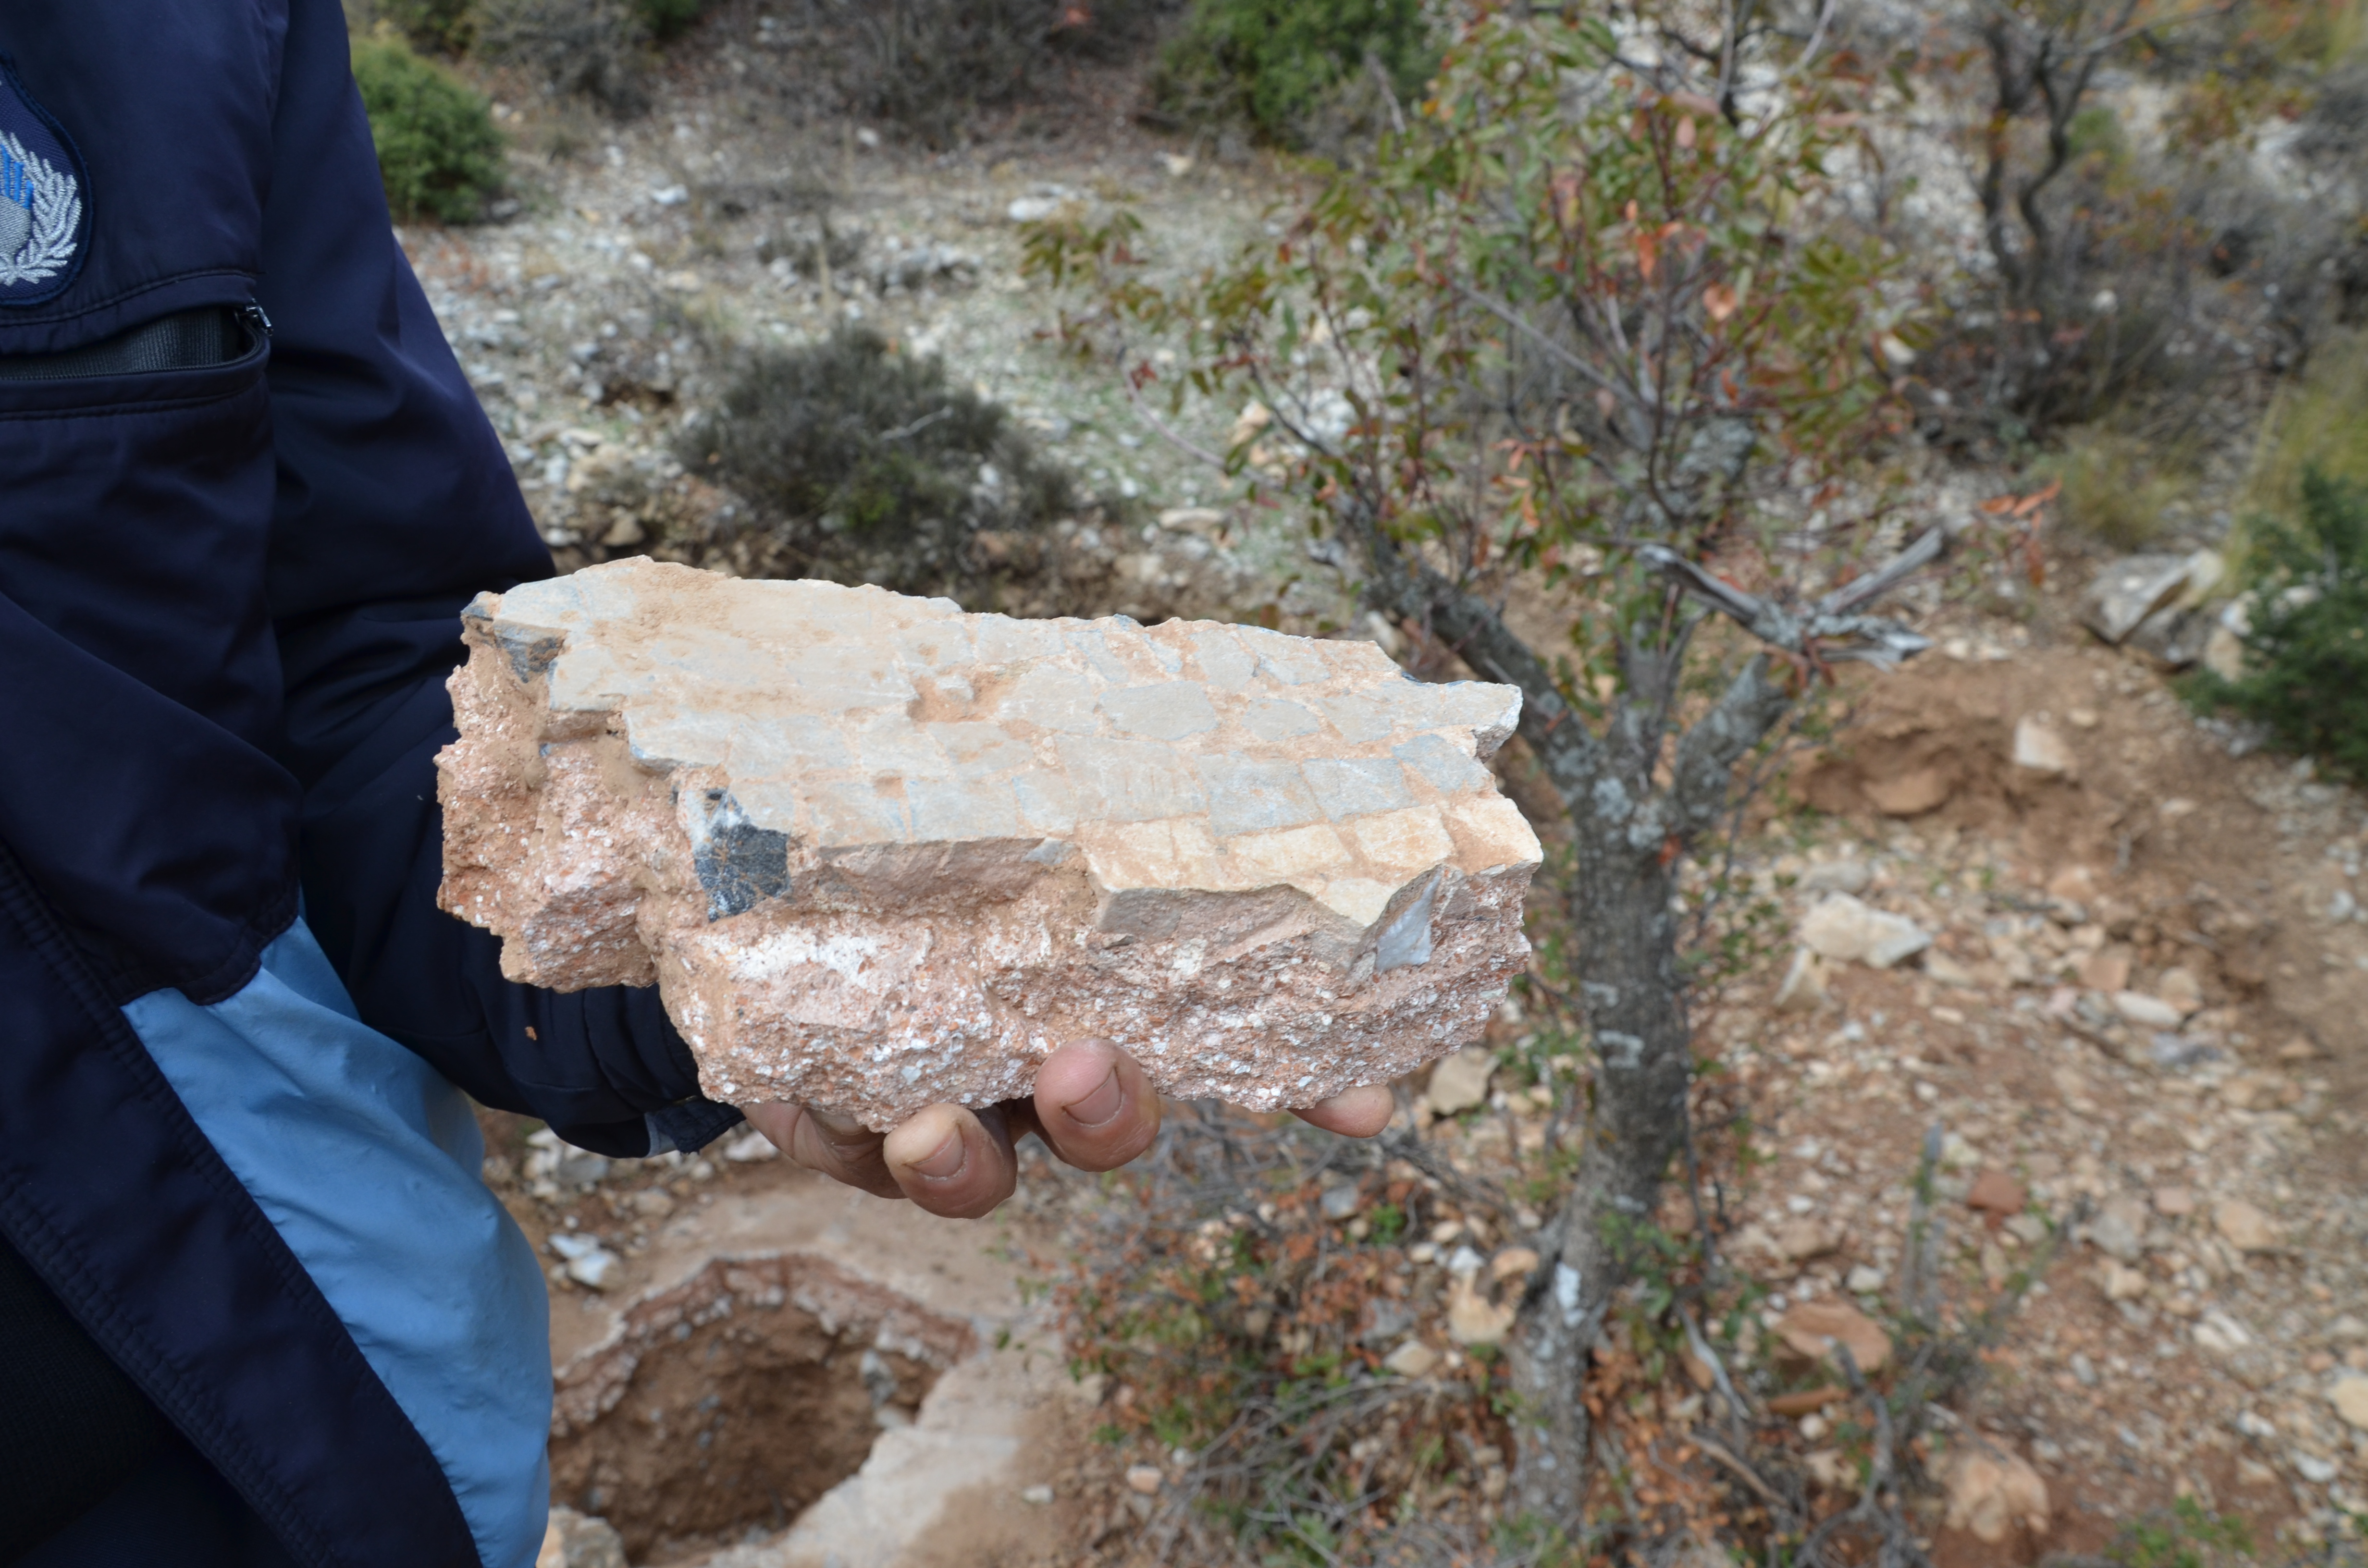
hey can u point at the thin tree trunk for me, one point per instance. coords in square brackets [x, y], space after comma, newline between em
[1634, 1009]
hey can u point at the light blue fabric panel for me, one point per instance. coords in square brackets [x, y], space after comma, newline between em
[367, 1161]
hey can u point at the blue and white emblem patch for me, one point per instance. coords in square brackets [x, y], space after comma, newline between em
[43, 220]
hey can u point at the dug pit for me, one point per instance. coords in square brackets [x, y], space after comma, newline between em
[729, 1403]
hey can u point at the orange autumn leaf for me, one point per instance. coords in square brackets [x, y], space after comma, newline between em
[2038, 499]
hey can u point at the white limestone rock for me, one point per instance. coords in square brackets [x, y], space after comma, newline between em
[878, 852]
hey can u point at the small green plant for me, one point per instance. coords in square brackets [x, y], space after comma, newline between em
[440, 27]
[2117, 486]
[2319, 421]
[2182, 1536]
[667, 19]
[2307, 679]
[438, 149]
[595, 48]
[868, 466]
[1273, 62]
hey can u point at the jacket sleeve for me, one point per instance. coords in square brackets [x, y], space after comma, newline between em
[396, 505]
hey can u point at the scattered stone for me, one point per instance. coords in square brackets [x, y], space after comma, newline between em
[1473, 1319]
[576, 1540]
[1412, 1360]
[1864, 1279]
[2224, 651]
[1461, 1081]
[2128, 591]
[2073, 884]
[1909, 794]
[1192, 519]
[750, 1147]
[2118, 1230]
[2173, 637]
[1513, 1262]
[2350, 1397]
[2172, 1051]
[2147, 1012]
[1991, 1493]
[1807, 1402]
[2246, 1228]
[2216, 1331]
[1804, 989]
[1847, 931]
[1830, 1469]
[553, 1160]
[2084, 1371]
[1995, 1192]
[1949, 972]
[2121, 1282]
[590, 1264]
[1798, 1241]
[2174, 1202]
[2038, 748]
[2260, 1090]
[2179, 988]
[1339, 1202]
[878, 854]
[1813, 1328]
[1037, 1496]
[2106, 969]
[1835, 876]
[1145, 1479]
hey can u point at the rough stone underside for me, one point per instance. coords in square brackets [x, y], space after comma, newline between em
[878, 852]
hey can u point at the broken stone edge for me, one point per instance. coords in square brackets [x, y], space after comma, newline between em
[1414, 983]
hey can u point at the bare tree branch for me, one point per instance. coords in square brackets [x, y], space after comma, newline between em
[1828, 632]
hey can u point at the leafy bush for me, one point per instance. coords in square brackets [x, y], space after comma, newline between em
[2320, 421]
[2117, 486]
[592, 46]
[2307, 679]
[867, 466]
[442, 27]
[438, 149]
[928, 65]
[1274, 63]
[668, 18]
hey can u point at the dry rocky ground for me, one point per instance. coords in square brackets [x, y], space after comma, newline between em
[2137, 1022]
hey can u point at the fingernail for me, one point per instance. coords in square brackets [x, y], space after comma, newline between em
[1100, 1107]
[946, 1160]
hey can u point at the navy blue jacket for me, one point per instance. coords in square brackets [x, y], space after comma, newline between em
[229, 595]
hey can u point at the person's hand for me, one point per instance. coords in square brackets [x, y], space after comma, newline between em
[1093, 1107]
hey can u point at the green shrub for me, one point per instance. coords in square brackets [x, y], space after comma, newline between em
[1275, 63]
[867, 466]
[2307, 676]
[2118, 486]
[2319, 422]
[438, 149]
[442, 27]
[668, 18]
[596, 48]
[928, 65]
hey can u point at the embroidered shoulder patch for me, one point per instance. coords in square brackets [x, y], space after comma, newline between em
[45, 226]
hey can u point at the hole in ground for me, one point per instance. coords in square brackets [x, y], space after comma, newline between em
[726, 1405]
